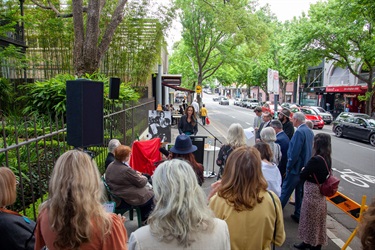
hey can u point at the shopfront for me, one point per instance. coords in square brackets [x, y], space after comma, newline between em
[345, 98]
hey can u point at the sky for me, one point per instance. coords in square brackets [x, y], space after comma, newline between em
[283, 9]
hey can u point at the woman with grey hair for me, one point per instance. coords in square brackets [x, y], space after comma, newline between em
[235, 138]
[268, 135]
[181, 218]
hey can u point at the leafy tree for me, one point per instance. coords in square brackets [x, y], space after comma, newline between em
[342, 31]
[94, 26]
[213, 29]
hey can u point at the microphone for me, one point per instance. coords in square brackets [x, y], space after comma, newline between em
[164, 152]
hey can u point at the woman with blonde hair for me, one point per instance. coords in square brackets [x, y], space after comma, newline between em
[235, 138]
[73, 217]
[181, 219]
[17, 231]
[268, 135]
[254, 216]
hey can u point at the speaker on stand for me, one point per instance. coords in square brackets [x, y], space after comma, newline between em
[114, 94]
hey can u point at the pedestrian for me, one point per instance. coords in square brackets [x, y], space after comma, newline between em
[257, 119]
[181, 218]
[195, 106]
[266, 119]
[299, 153]
[309, 124]
[284, 118]
[17, 231]
[73, 216]
[245, 204]
[269, 169]
[235, 139]
[312, 225]
[203, 114]
[268, 135]
[188, 124]
[283, 140]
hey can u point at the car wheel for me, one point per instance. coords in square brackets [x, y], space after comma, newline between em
[372, 140]
[338, 132]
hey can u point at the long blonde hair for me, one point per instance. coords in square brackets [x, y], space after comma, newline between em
[8, 192]
[74, 203]
[180, 205]
[243, 179]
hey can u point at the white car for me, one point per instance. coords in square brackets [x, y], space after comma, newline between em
[326, 116]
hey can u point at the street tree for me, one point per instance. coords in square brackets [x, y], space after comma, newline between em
[341, 31]
[212, 30]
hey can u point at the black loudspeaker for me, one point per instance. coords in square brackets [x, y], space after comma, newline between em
[114, 88]
[199, 142]
[84, 113]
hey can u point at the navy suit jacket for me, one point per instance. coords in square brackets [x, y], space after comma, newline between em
[300, 149]
[283, 140]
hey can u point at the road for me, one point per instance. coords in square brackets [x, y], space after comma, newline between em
[353, 161]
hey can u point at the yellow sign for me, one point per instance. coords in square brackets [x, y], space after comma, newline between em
[198, 89]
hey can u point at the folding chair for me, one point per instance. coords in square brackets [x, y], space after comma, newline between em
[117, 200]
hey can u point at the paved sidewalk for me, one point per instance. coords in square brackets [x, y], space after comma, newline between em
[335, 230]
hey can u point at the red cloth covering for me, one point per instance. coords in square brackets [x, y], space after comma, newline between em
[144, 155]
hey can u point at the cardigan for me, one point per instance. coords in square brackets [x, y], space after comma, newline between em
[184, 127]
[317, 166]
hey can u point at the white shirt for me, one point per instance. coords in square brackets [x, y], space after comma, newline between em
[273, 177]
[196, 107]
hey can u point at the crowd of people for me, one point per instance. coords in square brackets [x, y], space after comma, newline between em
[244, 209]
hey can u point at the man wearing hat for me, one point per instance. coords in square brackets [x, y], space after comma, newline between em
[284, 118]
[257, 119]
[184, 148]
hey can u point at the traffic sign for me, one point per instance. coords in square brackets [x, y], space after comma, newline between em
[198, 89]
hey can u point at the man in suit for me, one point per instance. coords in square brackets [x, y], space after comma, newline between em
[299, 153]
[266, 123]
[283, 140]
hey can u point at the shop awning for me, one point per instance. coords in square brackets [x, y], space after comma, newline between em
[346, 89]
[177, 87]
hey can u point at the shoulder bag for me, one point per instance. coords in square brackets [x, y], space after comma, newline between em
[330, 186]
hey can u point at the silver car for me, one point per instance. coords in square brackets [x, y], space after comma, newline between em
[326, 116]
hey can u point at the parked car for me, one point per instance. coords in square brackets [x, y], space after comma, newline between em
[289, 105]
[237, 101]
[243, 103]
[355, 125]
[216, 98]
[311, 115]
[326, 116]
[252, 103]
[224, 101]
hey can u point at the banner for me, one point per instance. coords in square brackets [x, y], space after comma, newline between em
[273, 81]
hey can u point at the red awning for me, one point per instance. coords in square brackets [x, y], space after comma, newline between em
[177, 88]
[346, 89]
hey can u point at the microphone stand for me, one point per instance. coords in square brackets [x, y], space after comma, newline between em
[215, 139]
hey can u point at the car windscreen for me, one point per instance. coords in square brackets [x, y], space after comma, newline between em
[371, 122]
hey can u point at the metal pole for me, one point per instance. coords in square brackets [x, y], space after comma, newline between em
[158, 86]
[297, 96]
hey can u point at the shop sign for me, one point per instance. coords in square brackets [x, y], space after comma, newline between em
[353, 89]
[349, 96]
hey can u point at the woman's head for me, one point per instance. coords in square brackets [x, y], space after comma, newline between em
[122, 153]
[268, 134]
[264, 150]
[322, 145]
[236, 135]
[243, 179]
[75, 198]
[112, 145]
[180, 206]
[367, 228]
[8, 184]
[189, 111]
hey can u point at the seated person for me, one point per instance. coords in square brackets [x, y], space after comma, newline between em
[17, 231]
[181, 219]
[128, 184]
[112, 145]
[74, 217]
[184, 148]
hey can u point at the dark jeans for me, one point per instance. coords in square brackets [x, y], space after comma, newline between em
[203, 120]
[292, 182]
[145, 208]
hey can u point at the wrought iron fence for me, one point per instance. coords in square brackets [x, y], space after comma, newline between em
[30, 146]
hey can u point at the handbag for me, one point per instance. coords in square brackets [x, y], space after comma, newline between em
[207, 120]
[330, 186]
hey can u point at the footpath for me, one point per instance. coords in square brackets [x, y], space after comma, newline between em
[337, 234]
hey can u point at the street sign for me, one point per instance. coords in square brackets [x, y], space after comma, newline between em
[198, 89]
